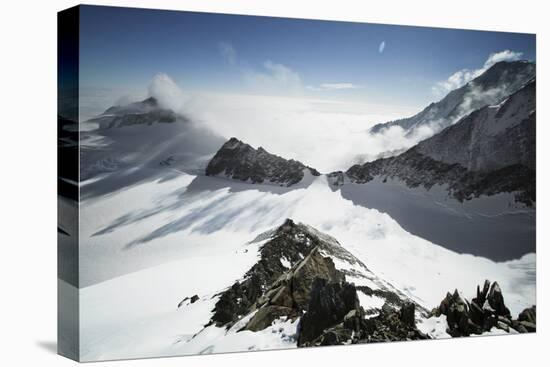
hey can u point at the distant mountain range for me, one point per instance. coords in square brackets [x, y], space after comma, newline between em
[470, 187]
[490, 150]
[499, 81]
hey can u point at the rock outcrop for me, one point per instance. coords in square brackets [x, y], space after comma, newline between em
[483, 313]
[240, 161]
[311, 288]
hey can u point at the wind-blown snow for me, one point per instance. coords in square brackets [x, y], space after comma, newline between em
[146, 248]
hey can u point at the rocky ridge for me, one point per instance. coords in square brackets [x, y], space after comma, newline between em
[500, 80]
[146, 112]
[491, 150]
[240, 161]
[305, 275]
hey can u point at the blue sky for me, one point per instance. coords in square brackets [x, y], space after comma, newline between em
[126, 48]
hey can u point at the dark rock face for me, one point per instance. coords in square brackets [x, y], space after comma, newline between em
[390, 325]
[529, 315]
[312, 290]
[329, 303]
[266, 315]
[336, 179]
[293, 242]
[240, 161]
[407, 314]
[486, 311]
[502, 79]
[188, 300]
[490, 151]
[146, 112]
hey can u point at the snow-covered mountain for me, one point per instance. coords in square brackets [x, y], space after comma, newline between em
[489, 151]
[141, 141]
[240, 161]
[146, 112]
[500, 80]
[189, 248]
[470, 188]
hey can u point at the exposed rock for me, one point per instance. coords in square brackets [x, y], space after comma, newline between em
[314, 267]
[496, 300]
[328, 305]
[486, 311]
[529, 326]
[266, 315]
[391, 325]
[529, 314]
[146, 112]
[336, 179]
[502, 79]
[240, 161]
[290, 295]
[407, 314]
[290, 241]
[500, 156]
[188, 300]
[314, 291]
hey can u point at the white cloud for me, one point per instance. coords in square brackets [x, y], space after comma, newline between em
[333, 86]
[167, 92]
[461, 77]
[505, 55]
[327, 135]
[228, 52]
[382, 47]
[275, 78]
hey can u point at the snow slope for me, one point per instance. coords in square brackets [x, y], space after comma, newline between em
[145, 248]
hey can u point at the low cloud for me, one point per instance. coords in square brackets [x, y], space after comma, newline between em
[228, 52]
[461, 77]
[332, 87]
[167, 92]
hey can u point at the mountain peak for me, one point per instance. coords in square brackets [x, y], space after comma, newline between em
[240, 161]
[515, 73]
[500, 80]
[151, 101]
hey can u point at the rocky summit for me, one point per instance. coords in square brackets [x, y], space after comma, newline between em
[240, 161]
[146, 112]
[310, 286]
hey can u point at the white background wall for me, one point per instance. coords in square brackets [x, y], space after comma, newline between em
[28, 179]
